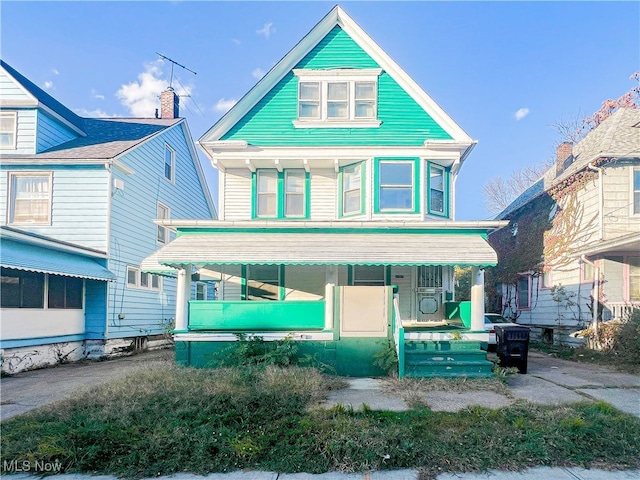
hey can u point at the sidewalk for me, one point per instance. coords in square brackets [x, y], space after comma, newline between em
[540, 473]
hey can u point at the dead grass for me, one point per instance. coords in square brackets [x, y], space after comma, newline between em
[413, 390]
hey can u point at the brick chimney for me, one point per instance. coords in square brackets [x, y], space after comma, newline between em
[563, 152]
[169, 104]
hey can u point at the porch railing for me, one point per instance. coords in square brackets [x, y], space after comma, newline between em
[224, 315]
[398, 335]
[619, 310]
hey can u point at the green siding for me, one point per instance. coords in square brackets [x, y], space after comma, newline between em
[351, 357]
[269, 123]
[256, 316]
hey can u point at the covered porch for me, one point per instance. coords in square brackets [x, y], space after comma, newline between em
[344, 293]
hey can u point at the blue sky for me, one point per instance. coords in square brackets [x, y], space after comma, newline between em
[483, 62]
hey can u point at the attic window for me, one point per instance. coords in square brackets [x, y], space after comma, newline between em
[342, 98]
[8, 124]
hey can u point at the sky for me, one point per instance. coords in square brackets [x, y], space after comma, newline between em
[506, 72]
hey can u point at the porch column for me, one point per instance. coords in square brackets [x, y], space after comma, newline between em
[183, 294]
[477, 299]
[329, 296]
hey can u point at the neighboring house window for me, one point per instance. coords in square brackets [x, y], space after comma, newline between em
[142, 280]
[336, 98]
[586, 272]
[263, 282]
[64, 292]
[396, 186]
[352, 190]
[523, 291]
[281, 194]
[547, 279]
[369, 275]
[21, 289]
[437, 199]
[201, 291]
[30, 198]
[8, 128]
[163, 213]
[636, 192]
[634, 278]
[169, 163]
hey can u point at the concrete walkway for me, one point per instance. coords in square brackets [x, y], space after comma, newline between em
[549, 381]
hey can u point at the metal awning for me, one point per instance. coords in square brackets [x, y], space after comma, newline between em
[151, 265]
[34, 258]
[325, 248]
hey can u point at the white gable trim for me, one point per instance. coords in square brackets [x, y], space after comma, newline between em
[337, 16]
[33, 101]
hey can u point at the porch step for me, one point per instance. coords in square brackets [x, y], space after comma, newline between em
[446, 359]
[442, 345]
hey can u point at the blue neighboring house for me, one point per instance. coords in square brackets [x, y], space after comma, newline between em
[78, 200]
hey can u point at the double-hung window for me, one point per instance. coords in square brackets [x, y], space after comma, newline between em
[437, 190]
[267, 193]
[337, 98]
[352, 190]
[169, 163]
[138, 279]
[8, 124]
[523, 292]
[396, 186]
[30, 200]
[281, 194]
[162, 213]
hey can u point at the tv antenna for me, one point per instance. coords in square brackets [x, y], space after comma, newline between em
[173, 62]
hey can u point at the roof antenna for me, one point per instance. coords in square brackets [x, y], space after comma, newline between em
[173, 62]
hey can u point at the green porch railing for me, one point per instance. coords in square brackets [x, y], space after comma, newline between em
[221, 315]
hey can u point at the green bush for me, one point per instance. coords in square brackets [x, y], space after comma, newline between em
[627, 339]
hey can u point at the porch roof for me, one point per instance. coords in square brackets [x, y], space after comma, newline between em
[324, 248]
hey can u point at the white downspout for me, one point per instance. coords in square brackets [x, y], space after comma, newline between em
[600, 201]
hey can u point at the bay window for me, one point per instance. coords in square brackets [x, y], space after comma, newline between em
[437, 190]
[352, 189]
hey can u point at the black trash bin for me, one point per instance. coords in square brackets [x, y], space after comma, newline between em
[512, 346]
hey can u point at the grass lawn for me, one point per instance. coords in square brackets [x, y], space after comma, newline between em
[174, 419]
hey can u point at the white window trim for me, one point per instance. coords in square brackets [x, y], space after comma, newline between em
[632, 193]
[160, 227]
[11, 198]
[204, 286]
[138, 285]
[268, 172]
[173, 164]
[15, 130]
[343, 191]
[287, 172]
[350, 76]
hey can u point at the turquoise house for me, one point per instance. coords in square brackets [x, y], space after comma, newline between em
[336, 218]
[78, 197]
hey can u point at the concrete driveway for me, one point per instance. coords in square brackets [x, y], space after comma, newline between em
[550, 380]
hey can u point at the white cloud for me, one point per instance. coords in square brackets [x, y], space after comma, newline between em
[55, 71]
[97, 113]
[48, 85]
[224, 104]
[95, 94]
[258, 73]
[521, 113]
[267, 30]
[236, 41]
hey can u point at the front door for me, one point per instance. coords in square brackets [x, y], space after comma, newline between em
[429, 294]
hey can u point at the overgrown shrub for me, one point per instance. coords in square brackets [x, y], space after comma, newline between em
[627, 339]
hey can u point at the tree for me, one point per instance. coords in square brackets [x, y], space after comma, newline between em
[499, 192]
